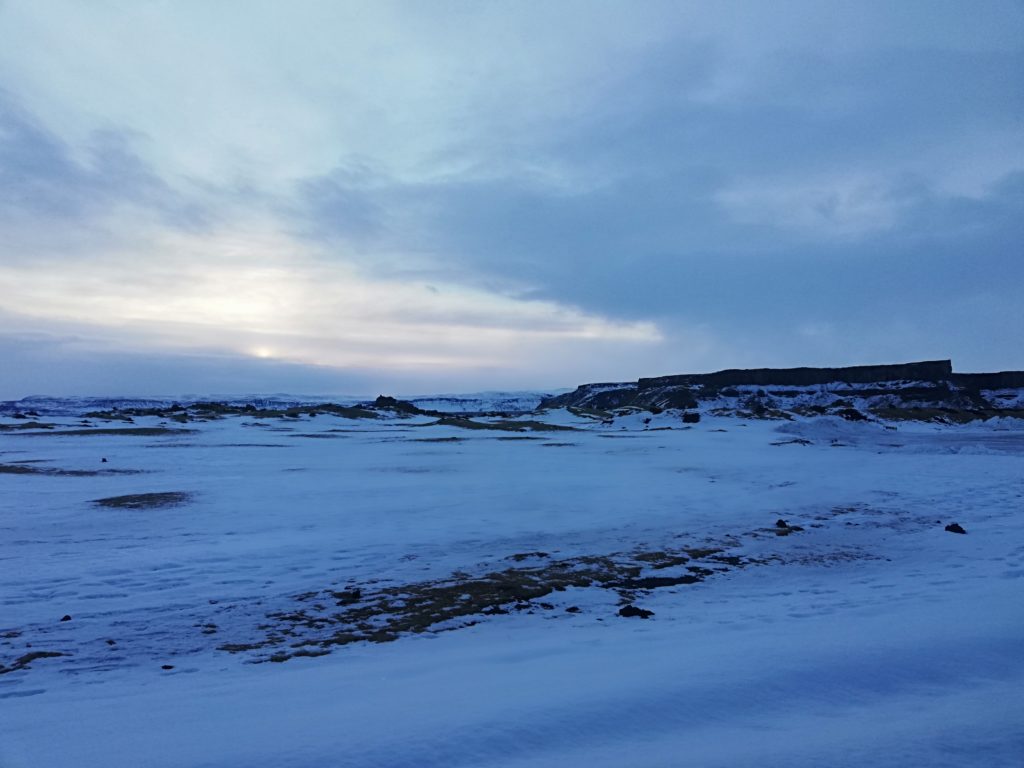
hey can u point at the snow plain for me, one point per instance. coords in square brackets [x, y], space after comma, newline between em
[870, 637]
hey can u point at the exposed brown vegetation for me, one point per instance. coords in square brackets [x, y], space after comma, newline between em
[331, 617]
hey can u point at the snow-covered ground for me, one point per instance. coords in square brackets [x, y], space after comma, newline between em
[869, 637]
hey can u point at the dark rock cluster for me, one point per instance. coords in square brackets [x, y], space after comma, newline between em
[927, 391]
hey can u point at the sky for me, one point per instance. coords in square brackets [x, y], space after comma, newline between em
[408, 197]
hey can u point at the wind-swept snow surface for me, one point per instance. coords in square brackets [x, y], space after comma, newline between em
[407, 591]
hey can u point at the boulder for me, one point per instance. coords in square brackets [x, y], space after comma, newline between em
[630, 611]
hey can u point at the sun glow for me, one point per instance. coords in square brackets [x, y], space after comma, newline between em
[261, 294]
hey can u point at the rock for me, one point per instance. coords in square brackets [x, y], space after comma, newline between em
[573, 609]
[65, 617]
[629, 611]
[520, 556]
[851, 414]
[348, 596]
[955, 528]
[782, 528]
[691, 417]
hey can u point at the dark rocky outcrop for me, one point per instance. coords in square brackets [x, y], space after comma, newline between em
[934, 370]
[597, 396]
[209, 411]
[1000, 380]
[927, 390]
[400, 406]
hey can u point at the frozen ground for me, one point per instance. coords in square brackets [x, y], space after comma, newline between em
[871, 637]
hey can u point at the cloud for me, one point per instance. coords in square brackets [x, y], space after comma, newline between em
[100, 243]
[250, 290]
[43, 179]
[822, 208]
[495, 190]
[61, 366]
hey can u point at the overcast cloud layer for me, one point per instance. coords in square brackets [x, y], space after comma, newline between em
[360, 197]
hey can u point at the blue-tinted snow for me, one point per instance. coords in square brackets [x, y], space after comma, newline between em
[875, 639]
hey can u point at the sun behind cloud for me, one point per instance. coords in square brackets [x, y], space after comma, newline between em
[250, 290]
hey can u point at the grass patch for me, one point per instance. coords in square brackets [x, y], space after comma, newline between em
[590, 413]
[145, 500]
[296, 412]
[127, 431]
[503, 426]
[28, 658]
[28, 469]
[25, 425]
